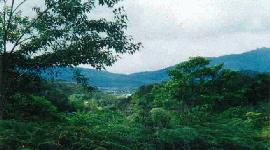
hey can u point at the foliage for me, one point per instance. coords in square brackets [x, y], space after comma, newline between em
[209, 107]
[160, 117]
[63, 33]
[202, 107]
[58, 33]
[30, 107]
[103, 130]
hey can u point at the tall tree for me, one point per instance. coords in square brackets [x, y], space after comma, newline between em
[59, 33]
[192, 78]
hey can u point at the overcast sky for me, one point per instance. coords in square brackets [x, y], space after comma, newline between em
[173, 30]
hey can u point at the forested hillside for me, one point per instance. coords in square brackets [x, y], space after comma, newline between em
[199, 104]
[199, 107]
[108, 80]
[253, 61]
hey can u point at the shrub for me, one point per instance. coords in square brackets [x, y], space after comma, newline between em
[160, 117]
[32, 107]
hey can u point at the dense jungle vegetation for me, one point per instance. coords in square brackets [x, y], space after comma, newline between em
[200, 107]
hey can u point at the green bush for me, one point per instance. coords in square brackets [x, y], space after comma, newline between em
[160, 117]
[30, 107]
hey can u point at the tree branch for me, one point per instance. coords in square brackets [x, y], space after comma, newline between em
[10, 16]
[28, 27]
[26, 39]
[4, 27]
[19, 5]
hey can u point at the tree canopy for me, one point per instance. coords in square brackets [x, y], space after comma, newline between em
[59, 33]
[200, 107]
[63, 33]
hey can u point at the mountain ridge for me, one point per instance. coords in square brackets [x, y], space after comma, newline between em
[255, 60]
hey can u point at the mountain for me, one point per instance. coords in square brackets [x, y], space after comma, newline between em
[112, 81]
[256, 60]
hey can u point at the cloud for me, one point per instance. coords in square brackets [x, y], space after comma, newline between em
[173, 30]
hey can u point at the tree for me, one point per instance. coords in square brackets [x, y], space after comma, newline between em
[60, 33]
[192, 77]
[82, 80]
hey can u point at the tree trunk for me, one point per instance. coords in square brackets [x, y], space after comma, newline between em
[2, 87]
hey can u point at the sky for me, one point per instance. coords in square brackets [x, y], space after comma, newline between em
[171, 31]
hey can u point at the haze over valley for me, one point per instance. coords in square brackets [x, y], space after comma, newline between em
[255, 60]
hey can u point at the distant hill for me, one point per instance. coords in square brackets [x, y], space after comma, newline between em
[112, 81]
[256, 60]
